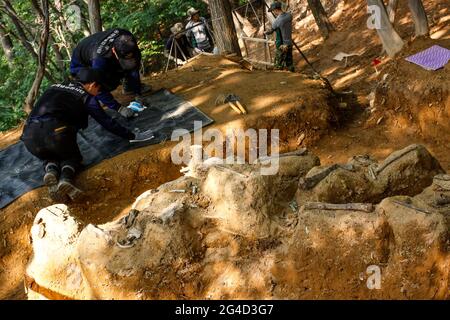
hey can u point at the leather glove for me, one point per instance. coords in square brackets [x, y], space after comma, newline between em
[142, 136]
[126, 112]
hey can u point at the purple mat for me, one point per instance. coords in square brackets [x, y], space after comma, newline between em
[433, 58]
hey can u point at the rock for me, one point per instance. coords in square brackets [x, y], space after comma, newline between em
[404, 172]
[54, 235]
[243, 236]
[244, 203]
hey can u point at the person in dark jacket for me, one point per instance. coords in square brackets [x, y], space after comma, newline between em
[50, 132]
[116, 55]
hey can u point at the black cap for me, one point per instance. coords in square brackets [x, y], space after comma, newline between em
[126, 49]
[89, 75]
[275, 5]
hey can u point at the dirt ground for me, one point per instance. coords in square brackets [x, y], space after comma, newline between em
[291, 102]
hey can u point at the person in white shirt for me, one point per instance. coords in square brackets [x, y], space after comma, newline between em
[197, 31]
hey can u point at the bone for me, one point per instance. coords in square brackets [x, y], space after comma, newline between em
[395, 156]
[365, 207]
[442, 181]
[310, 182]
[410, 206]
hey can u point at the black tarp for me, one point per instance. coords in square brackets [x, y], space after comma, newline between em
[21, 172]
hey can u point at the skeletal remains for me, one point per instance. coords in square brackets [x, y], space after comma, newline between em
[185, 242]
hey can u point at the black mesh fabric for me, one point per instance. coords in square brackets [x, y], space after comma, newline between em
[21, 172]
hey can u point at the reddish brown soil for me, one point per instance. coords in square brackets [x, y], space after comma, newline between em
[273, 100]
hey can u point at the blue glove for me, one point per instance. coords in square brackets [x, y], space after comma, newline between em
[136, 106]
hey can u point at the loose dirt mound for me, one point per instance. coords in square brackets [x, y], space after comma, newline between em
[193, 244]
[414, 100]
[289, 102]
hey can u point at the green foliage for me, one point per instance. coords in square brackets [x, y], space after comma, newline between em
[149, 20]
[17, 81]
[13, 91]
[10, 117]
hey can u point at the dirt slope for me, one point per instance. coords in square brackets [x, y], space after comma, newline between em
[281, 100]
[275, 99]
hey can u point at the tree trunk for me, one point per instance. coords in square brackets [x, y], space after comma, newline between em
[225, 31]
[95, 19]
[60, 61]
[390, 39]
[324, 24]
[420, 17]
[37, 8]
[22, 33]
[32, 94]
[20, 30]
[392, 9]
[7, 45]
[270, 17]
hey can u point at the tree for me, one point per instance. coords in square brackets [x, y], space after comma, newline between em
[42, 56]
[390, 39]
[225, 31]
[321, 18]
[383, 19]
[392, 9]
[7, 44]
[95, 18]
[419, 17]
[21, 29]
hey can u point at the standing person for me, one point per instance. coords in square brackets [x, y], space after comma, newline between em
[50, 132]
[197, 31]
[283, 28]
[116, 55]
[181, 40]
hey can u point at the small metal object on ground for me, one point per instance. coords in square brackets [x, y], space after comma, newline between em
[233, 102]
[293, 205]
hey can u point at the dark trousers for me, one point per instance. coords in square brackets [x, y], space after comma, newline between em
[52, 141]
[132, 82]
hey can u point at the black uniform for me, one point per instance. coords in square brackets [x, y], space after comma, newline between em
[50, 132]
[95, 52]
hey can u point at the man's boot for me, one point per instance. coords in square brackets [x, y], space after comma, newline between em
[51, 174]
[65, 185]
[127, 90]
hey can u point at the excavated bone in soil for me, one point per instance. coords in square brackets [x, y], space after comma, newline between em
[237, 237]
